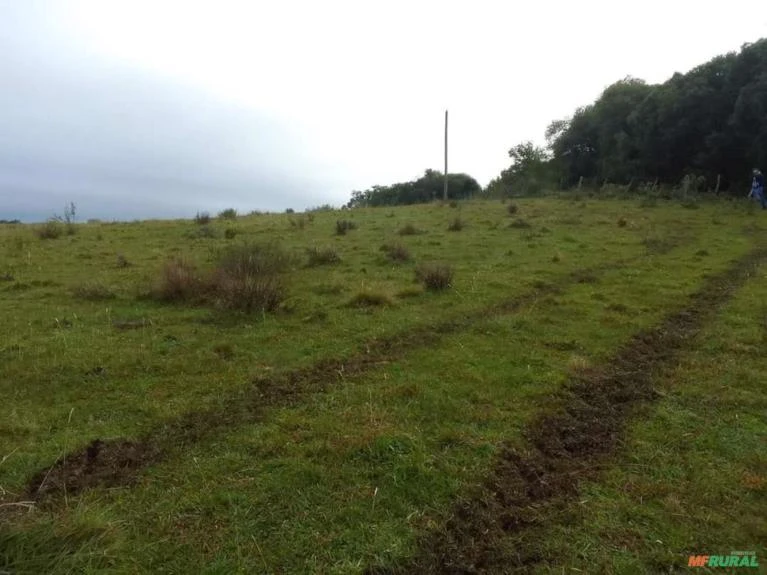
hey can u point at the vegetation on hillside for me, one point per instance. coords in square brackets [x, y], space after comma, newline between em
[428, 187]
[706, 128]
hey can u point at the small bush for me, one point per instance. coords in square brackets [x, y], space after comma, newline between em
[122, 261]
[228, 214]
[520, 224]
[93, 291]
[343, 226]
[370, 299]
[396, 252]
[230, 233]
[202, 218]
[435, 277]
[248, 277]
[322, 256]
[622, 222]
[456, 225]
[453, 204]
[179, 281]
[408, 230]
[512, 209]
[290, 211]
[50, 230]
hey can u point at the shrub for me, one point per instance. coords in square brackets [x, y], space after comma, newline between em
[322, 256]
[343, 226]
[456, 225]
[179, 281]
[122, 261]
[408, 230]
[93, 291]
[228, 214]
[248, 277]
[368, 298]
[230, 233]
[202, 218]
[434, 276]
[622, 222]
[512, 209]
[396, 252]
[453, 204]
[50, 230]
[290, 211]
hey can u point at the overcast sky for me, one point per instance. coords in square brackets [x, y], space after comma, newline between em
[161, 108]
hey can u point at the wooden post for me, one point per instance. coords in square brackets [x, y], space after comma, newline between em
[718, 181]
[444, 193]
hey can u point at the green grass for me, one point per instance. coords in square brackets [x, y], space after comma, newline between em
[692, 477]
[338, 481]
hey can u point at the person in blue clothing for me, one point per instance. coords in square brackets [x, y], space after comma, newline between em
[757, 188]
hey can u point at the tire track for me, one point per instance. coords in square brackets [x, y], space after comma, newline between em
[119, 462]
[496, 529]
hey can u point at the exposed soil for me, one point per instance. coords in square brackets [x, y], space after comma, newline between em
[100, 463]
[117, 462]
[497, 529]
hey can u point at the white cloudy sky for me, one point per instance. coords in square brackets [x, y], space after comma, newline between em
[158, 108]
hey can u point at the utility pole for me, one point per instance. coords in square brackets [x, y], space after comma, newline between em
[444, 193]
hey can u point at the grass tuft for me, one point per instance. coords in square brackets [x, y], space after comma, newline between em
[435, 276]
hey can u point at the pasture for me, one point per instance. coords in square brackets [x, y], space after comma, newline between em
[586, 395]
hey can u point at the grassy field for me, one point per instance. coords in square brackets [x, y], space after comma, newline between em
[369, 424]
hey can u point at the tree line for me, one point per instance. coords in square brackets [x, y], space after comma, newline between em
[707, 127]
[427, 188]
[705, 130]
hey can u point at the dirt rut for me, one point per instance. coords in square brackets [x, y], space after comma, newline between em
[497, 528]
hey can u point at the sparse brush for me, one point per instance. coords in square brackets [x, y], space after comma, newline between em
[202, 218]
[179, 281]
[512, 209]
[228, 214]
[435, 276]
[369, 298]
[248, 277]
[50, 230]
[122, 261]
[622, 222]
[322, 256]
[343, 226]
[230, 233]
[93, 291]
[453, 204]
[408, 230]
[456, 225]
[396, 252]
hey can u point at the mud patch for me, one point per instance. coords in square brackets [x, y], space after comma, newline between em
[501, 527]
[105, 463]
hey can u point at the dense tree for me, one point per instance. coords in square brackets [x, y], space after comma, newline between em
[428, 187]
[709, 122]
